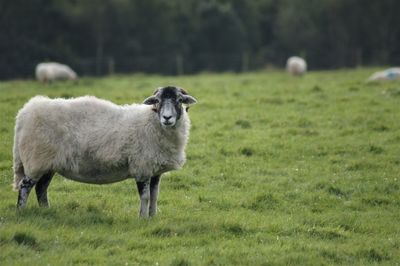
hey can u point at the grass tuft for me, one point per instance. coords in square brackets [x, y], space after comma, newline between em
[263, 202]
[335, 191]
[22, 238]
[376, 201]
[375, 149]
[243, 124]
[246, 151]
[163, 232]
[373, 255]
[326, 233]
[234, 229]
[316, 88]
[180, 262]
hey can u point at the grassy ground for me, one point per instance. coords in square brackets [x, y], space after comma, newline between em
[280, 170]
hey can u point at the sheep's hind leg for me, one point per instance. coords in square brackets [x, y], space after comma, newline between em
[41, 189]
[23, 193]
[154, 189]
[144, 193]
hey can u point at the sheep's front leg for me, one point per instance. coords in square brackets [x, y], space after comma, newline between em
[154, 188]
[25, 188]
[144, 193]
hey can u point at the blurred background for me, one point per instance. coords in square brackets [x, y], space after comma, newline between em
[174, 37]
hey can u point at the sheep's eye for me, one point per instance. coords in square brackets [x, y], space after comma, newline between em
[180, 100]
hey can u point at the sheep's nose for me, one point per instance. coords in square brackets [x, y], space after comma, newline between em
[167, 117]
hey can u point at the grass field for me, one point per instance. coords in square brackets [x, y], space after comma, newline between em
[280, 170]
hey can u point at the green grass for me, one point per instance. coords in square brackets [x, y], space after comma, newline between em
[280, 170]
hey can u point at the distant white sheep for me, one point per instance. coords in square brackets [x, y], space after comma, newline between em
[90, 140]
[296, 66]
[385, 75]
[48, 72]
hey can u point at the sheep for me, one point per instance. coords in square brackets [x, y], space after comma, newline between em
[48, 72]
[91, 140]
[296, 66]
[389, 74]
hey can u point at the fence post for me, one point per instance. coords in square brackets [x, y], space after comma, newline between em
[359, 59]
[179, 65]
[99, 55]
[111, 65]
[245, 61]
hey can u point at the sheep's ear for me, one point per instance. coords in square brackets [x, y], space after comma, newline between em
[157, 90]
[151, 100]
[187, 99]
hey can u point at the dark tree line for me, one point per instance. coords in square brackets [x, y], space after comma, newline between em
[96, 37]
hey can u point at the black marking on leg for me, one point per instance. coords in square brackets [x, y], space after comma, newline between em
[24, 189]
[27, 183]
[41, 189]
[144, 192]
[155, 180]
[140, 187]
[154, 183]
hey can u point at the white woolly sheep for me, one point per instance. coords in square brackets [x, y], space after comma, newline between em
[296, 66]
[385, 75]
[48, 72]
[90, 140]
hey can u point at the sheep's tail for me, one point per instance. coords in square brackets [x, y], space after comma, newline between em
[18, 167]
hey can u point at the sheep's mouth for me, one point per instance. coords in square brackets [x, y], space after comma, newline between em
[168, 124]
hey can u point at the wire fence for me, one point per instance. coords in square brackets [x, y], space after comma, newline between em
[178, 64]
[175, 64]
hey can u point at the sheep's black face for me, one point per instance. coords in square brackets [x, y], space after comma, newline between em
[167, 102]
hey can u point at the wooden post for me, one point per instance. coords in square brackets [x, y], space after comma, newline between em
[245, 61]
[179, 65]
[111, 65]
[359, 59]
